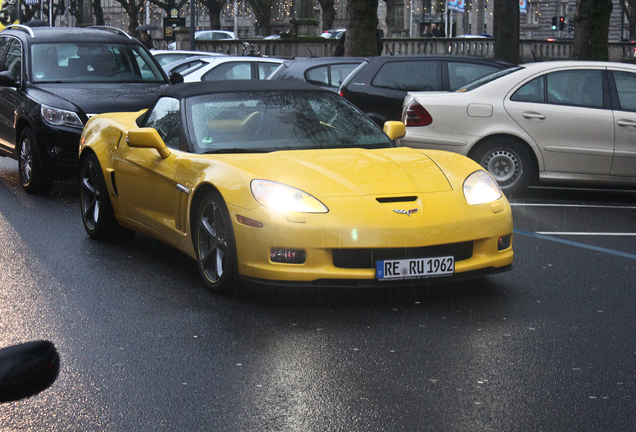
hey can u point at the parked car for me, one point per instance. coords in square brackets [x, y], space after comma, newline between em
[180, 66]
[379, 85]
[556, 122]
[213, 35]
[53, 79]
[327, 72]
[231, 68]
[287, 183]
[333, 33]
[165, 57]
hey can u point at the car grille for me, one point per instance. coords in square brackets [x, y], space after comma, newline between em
[366, 258]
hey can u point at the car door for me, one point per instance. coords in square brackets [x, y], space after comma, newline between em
[624, 162]
[146, 183]
[231, 70]
[10, 60]
[567, 113]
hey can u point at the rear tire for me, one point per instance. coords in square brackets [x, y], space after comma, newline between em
[509, 162]
[97, 211]
[32, 178]
[214, 244]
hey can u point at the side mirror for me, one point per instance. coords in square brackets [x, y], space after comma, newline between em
[8, 79]
[395, 129]
[27, 369]
[147, 138]
[175, 78]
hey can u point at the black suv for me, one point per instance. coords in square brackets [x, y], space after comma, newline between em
[378, 86]
[52, 79]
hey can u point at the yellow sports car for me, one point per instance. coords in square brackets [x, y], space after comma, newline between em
[280, 182]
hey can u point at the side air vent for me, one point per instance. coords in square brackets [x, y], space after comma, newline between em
[112, 180]
[396, 199]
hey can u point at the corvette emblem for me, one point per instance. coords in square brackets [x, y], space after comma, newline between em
[406, 212]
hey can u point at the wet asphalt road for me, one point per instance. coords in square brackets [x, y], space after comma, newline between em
[550, 346]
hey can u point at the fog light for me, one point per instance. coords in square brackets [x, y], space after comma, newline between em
[504, 242]
[287, 256]
[56, 151]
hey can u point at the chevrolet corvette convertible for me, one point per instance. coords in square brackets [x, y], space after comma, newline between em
[285, 183]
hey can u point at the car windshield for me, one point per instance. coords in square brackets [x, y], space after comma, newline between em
[76, 62]
[486, 79]
[266, 121]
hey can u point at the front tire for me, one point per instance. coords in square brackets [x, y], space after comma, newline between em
[509, 162]
[32, 178]
[214, 244]
[97, 211]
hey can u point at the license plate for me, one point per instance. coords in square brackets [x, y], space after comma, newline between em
[414, 268]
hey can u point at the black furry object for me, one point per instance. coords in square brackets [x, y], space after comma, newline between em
[27, 369]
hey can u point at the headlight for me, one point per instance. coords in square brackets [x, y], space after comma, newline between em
[285, 198]
[480, 188]
[59, 117]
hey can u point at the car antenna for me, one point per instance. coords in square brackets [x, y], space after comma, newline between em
[312, 54]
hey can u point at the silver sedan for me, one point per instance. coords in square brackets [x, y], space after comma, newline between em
[550, 122]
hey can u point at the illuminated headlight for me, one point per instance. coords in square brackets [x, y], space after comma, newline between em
[285, 198]
[480, 188]
[60, 117]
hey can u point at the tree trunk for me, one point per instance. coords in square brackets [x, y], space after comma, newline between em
[390, 17]
[506, 30]
[328, 14]
[361, 33]
[99, 12]
[591, 30]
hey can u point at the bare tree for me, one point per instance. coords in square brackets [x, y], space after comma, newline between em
[361, 32]
[132, 8]
[168, 5]
[629, 10]
[214, 8]
[262, 10]
[506, 30]
[592, 29]
[328, 14]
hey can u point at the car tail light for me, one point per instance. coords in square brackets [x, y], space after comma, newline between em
[416, 115]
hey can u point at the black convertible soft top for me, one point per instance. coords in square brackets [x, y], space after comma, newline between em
[185, 90]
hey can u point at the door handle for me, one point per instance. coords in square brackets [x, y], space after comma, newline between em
[626, 123]
[533, 116]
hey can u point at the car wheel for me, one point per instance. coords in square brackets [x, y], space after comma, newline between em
[32, 177]
[97, 211]
[509, 162]
[214, 244]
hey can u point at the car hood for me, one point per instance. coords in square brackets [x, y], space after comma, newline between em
[348, 172]
[97, 98]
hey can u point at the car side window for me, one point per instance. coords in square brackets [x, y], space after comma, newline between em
[4, 45]
[582, 87]
[229, 71]
[13, 59]
[165, 118]
[318, 75]
[330, 75]
[410, 76]
[533, 91]
[266, 69]
[626, 87]
[460, 74]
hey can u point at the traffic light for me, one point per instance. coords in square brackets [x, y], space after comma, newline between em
[571, 25]
[554, 23]
[561, 23]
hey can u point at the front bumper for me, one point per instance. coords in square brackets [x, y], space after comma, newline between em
[364, 228]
